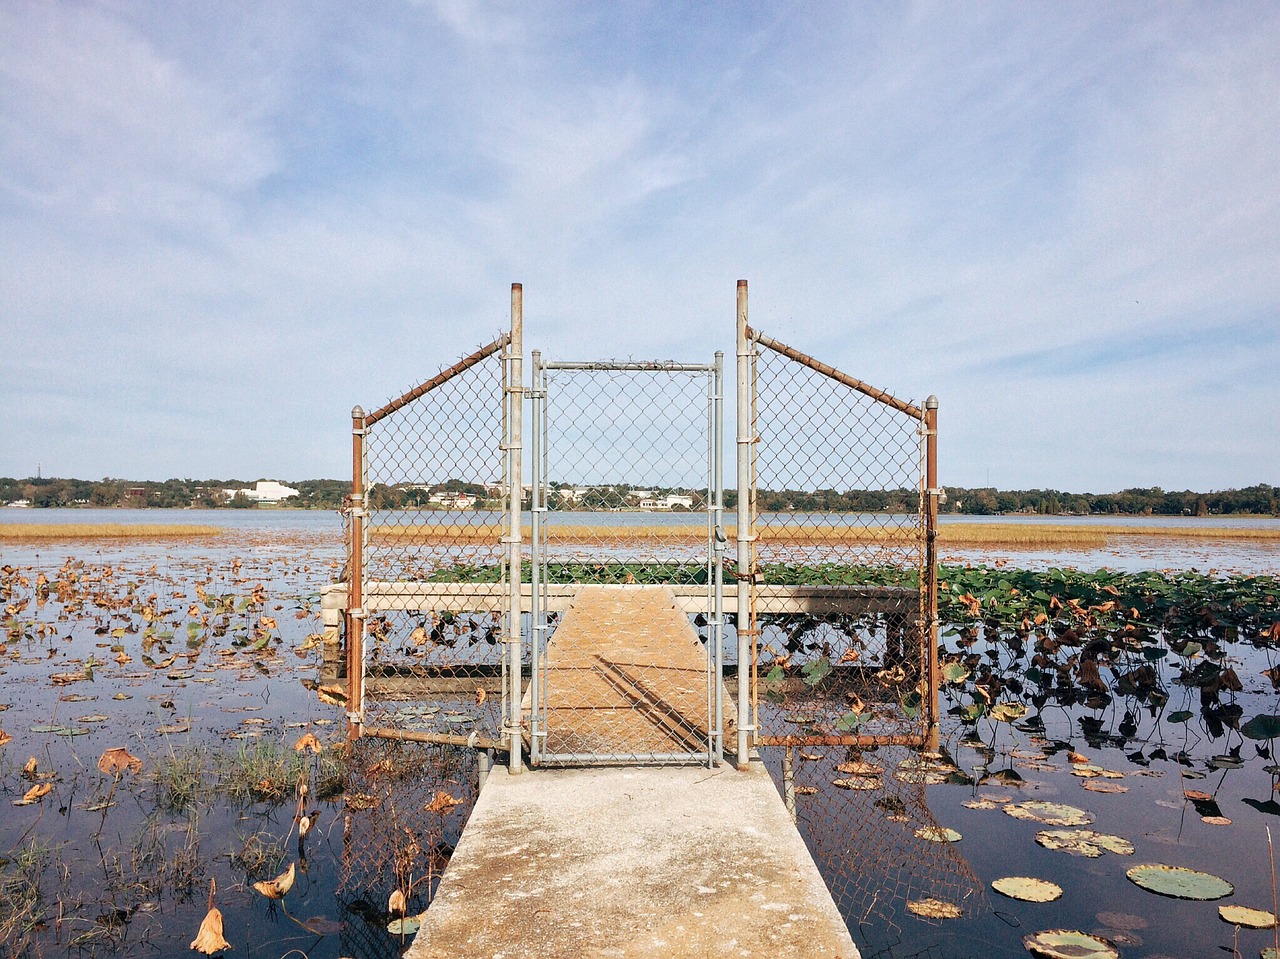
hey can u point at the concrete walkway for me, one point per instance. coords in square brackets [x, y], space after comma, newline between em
[627, 676]
[631, 863]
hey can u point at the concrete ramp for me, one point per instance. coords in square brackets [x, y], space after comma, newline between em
[609, 863]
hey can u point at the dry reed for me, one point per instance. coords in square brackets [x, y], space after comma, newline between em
[31, 532]
[1007, 535]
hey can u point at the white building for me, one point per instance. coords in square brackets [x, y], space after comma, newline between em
[670, 501]
[265, 491]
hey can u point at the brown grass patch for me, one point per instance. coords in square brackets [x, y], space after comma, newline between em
[1006, 535]
[47, 532]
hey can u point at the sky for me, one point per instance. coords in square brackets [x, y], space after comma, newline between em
[224, 225]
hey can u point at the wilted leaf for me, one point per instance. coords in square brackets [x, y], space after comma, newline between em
[277, 887]
[119, 760]
[442, 802]
[934, 908]
[5, 738]
[308, 741]
[1050, 813]
[34, 795]
[396, 904]
[209, 939]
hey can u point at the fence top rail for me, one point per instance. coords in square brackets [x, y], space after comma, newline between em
[610, 366]
[422, 389]
[850, 381]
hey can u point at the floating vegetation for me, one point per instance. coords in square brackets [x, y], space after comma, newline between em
[1084, 842]
[1179, 882]
[1027, 888]
[937, 834]
[934, 909]
[1049, 813]
[1247, 917]
[1069, 944]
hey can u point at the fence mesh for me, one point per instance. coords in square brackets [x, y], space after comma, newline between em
[624, 624]
[838, 482]
[840, 608]
[436, 491]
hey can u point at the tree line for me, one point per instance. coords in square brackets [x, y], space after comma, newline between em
[1262, 499]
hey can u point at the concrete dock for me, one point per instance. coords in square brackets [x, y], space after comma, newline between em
[630, 863]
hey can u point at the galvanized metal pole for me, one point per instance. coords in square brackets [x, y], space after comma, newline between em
[745, 569]
[538, 616]
[515, 403]
[717, 579]
[932, 494]
[355, 578]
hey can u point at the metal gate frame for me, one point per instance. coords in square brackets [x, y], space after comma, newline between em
[365, 595]
[748, 574]
[713, 602]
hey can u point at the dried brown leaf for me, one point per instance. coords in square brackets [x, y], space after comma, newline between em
[119, 760]
[277, 887]
[210, 939]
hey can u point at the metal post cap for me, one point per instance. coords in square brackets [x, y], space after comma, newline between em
[931, 403]
[357, 413]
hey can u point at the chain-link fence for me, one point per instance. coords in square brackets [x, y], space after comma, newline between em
[838, 561]
[842, 574]
[627, 628]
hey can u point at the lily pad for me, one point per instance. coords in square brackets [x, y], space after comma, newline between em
[857, 783]
[934, 909]
[1179, 882]
[938, 834]
[1027, 888]
[404, 927]
[1249, 918]
[1069, 944]
[1049, 813]
[1084, 842]
[860, 767]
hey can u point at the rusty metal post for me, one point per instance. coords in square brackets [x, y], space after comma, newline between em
[355, 578]
[932, 493]
[515, 404]
[746, 570]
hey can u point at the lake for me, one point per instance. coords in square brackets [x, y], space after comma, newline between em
[201, 652]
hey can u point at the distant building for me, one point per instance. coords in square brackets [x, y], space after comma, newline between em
[668, 502]
[265, 492]
[446, 499]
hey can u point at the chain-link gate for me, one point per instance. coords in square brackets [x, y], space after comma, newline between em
[831, 592]
[433, 609]
[627, 549]
[837, 617]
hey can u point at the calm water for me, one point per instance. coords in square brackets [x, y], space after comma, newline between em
[219, 692]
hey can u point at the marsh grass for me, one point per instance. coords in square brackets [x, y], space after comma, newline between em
[20, 896]
[1010, 535]
[264, 771]
[179, 777]
[41, 532]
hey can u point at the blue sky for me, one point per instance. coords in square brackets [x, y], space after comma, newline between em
[223, 225]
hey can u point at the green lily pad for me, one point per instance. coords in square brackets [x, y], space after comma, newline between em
[1069, 944]
[404, 927]
[1249, 918]
[1262, 726]
[1027, 888]
[1049, 813]
[1178, 882]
